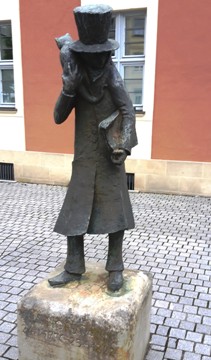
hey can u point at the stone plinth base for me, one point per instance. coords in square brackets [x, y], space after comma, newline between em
[82, 321]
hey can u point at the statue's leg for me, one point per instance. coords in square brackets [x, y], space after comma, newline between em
[75, 264]
[114, 263]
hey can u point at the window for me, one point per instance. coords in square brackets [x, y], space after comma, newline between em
[129, 30]
[7, 94]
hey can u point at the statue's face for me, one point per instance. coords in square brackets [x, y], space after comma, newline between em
[95, 60]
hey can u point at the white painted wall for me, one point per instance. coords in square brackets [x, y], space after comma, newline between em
[143, 124]
[12, 133]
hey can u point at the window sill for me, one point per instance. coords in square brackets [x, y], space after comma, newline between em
[139, 110]
[141, 113]
[8, 109]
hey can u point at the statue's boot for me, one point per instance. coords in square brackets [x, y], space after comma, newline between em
[114, 263]
[63, 278]
[75, 264]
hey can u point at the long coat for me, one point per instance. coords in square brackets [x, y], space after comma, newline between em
[97, 199]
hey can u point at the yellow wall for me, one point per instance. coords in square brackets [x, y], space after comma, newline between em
[160, 176]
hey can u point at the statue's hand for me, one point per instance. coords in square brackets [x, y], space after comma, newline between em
[118, 156]
[71, 78]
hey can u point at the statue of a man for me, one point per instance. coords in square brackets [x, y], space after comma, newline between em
[97, 199]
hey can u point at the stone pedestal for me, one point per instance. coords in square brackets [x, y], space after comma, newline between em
[83, 321]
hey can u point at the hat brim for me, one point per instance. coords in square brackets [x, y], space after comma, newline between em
[108, 45]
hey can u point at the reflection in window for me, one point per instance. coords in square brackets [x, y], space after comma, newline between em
[7, 95]
[112, 29]
[134, 34]
[133, 79]
[6, 42]
[8, 86]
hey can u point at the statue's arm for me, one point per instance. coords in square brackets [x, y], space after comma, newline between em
[63, 107]
[124, 104]
[71, 78]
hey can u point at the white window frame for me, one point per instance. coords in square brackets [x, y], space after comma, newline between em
[5, 65]
[120, 59]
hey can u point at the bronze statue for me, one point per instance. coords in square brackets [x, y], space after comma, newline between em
[97, 199]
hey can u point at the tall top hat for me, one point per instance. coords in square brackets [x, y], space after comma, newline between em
[93, 23]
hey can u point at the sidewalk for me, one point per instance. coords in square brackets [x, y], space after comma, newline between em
[172, 240]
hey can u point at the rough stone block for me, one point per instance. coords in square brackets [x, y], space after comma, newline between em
[83, 321]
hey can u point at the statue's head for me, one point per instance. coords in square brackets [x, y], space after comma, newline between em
[93, 23]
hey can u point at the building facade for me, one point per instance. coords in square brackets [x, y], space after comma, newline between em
[164, 61]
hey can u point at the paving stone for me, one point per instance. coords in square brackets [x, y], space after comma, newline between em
[177, 307]
[204, 311]
[3, 313]
[10, 317]
[3, 349]
[179, 315]
[172, 298]
[190, 309]
[3, 296]
[204, 329]
[4, 337]
[12, 353]
[177, 333]
[205, 297]
[194, 318]
[203, 349]
[207, 339]
[185, 301]
[162, 330]
[154, 355]
[162, 304]
[159, 340]
[179, 292]
[158, 348]
[153, 328]
[159, 295]
[185, 345]
[200, 303]
[172, 322]
[164, 312]
[172, 343]
[12, 341]
[191, 356]
[6, 327]
[173, 354]
[3, 304]
[194, 336]
[206, 320]
[155, 319]
[11, 307]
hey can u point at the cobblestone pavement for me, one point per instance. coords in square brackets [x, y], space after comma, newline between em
[172, 240]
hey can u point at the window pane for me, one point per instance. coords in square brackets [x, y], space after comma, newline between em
[134, 34]
[6, 42]
[111, 33]
[133, 79]
[8, 94]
